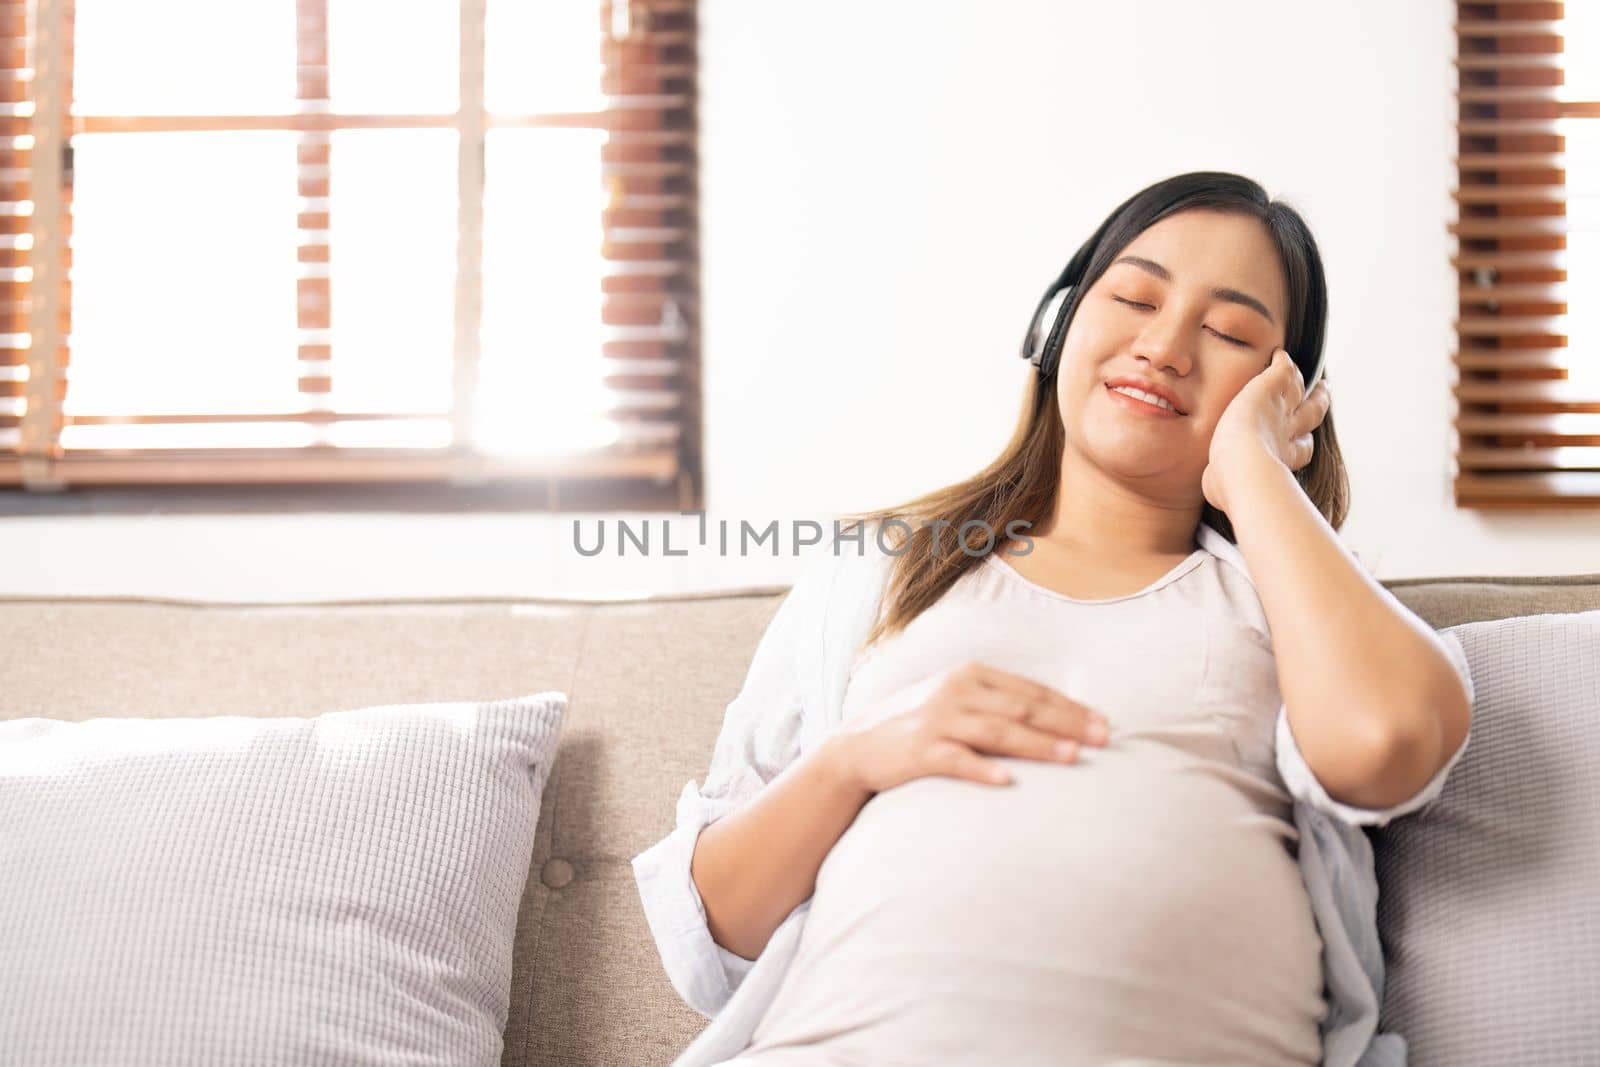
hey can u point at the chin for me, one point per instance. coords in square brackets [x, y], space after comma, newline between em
[1125, 458]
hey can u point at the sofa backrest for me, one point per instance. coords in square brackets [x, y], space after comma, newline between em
[648, 679]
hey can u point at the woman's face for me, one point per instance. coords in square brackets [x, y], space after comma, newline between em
[1195, 304]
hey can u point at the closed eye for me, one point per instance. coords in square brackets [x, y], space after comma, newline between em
[1149, 307]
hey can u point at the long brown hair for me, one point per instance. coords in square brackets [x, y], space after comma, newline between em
[1020, 485]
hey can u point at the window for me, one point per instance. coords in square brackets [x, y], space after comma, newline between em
[1529, 238]
[318, 241]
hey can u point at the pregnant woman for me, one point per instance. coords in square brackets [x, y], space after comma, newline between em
[1048, 814]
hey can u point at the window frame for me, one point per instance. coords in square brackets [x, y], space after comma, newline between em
[45, 479]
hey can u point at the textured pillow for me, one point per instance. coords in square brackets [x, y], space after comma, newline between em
[337, 889]
[1489, 898]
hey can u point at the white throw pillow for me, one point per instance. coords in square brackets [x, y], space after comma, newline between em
[1487, 900]
[335, 889]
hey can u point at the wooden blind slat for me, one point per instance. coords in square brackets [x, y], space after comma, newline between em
[1511, 228]
[1532, 459]
[1495, 27]
[1556, 396]
[655, 459]
[1553, 194]
[1511, 325]
[1498, 61]
[662, 368]
[1532, 292]
[1513, 94]
[1495, 259]
[1540, 428]
[1526, 492]
[623, 399]
[1518, 359]
[305, 417]
[1545, 127]
[1511, 160]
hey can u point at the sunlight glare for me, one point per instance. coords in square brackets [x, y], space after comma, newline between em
[183, 57]
[539, 388]
[183, 253]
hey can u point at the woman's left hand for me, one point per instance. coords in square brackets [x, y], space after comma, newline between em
[1269, 420]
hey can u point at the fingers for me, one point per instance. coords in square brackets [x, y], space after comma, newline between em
[1294, 381]
[959, 761]
[1312, 407]
[1312, 410]
[1304, 448]
[1306, 411]
[1027, 701]
[998, 713]
[1000, 735]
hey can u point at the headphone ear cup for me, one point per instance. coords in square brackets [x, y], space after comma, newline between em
[1045, 317]
[1055, 307]
[1039, 326]
[1050, 352]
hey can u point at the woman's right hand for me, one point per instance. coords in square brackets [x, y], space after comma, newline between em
[973, 711]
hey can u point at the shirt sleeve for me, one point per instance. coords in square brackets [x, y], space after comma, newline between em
[1304, 787]
[760, 737]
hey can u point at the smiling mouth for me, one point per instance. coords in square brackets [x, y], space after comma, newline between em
[1144, 406]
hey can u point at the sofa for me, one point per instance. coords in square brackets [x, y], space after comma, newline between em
[648, 680]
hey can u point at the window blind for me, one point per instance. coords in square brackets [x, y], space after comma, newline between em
[372, 274]
[1527, 235]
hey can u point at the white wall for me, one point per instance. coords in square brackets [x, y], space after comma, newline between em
[887, 188]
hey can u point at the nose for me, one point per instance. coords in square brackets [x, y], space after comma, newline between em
[1165, 343]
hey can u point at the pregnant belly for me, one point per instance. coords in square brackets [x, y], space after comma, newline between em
[1139, 902]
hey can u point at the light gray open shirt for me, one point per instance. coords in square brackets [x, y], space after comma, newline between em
[793, 698]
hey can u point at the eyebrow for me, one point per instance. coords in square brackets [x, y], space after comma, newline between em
[1233, 296]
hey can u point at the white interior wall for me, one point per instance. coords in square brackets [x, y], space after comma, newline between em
[887, 188]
